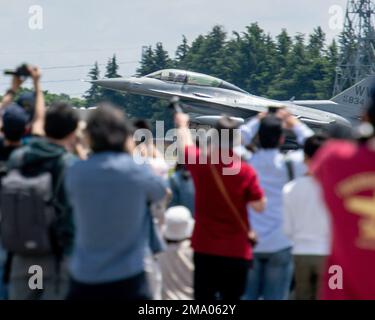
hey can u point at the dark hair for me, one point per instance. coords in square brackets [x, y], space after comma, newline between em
[270, 132]
[61, 120]
[141, 124]
[15, 120]
[313, 144]
[225, 123]
[108, 129]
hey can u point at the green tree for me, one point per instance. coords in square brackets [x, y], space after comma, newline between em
[161, 58]
[147, 64]
[181, 53]
[94, 94]
[111, 96]
[316, 43]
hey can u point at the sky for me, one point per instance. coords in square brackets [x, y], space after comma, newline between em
[67, 37]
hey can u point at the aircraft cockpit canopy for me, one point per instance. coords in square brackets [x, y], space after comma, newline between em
[192, 78]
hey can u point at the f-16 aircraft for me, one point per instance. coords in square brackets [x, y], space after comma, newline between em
[205, 98]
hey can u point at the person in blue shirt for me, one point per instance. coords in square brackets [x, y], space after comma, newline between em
[271, 275]
[110, 194]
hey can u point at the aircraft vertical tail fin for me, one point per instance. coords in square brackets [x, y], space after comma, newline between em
[357, 95]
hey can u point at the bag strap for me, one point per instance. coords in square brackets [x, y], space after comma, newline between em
[60, 166]
[60, 177]
[19, 156]
[290, 169]
[222, 189]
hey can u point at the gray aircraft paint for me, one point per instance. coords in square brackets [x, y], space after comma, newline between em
[215, 96]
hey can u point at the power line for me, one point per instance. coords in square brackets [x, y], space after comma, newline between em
[69, 51]
[85, 65]
[80, 65]
[50, 81]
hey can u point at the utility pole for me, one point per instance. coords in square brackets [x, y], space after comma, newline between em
[357, 59]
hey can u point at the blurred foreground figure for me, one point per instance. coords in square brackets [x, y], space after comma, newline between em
[149, 153]
[38, 230]
[20, 118]
[176, 263]
[222, 234]
[346, 172]
[306, 223]
[271, 276]
[110, 194]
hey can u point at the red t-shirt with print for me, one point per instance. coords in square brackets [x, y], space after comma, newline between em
[346, 173]
[217, 231]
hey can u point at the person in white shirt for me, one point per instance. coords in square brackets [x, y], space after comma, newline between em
[306, 223]
[272, 272]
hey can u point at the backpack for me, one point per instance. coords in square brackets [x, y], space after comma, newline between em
[28, 211]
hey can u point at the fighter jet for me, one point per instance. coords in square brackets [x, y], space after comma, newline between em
[205, 98]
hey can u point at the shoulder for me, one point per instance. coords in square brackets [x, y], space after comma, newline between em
[296, 185]
[159, 166]
[289, 188]
[332, 153]
[247, 171]
[16, 158]
[338, 149]
[246, 168]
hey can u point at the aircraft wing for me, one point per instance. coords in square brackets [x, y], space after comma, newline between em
[196, 97]
[230, 105]
[220, 103]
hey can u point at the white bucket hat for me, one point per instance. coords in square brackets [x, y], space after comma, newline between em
[178, 224]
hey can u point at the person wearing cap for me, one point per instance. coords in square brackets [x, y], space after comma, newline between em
[176, 262]
[271, 275]
[224, 187]
[14, 121]
[15, 125]
[50, 154]
[345, 171]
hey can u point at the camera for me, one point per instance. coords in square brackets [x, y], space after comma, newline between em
[21, 71]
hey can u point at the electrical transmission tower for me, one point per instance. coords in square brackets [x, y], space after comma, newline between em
[357, 58]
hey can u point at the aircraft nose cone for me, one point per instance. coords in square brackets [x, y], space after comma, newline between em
[113, 84]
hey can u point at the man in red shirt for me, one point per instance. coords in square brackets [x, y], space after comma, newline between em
[222, 250]
[346, 172]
